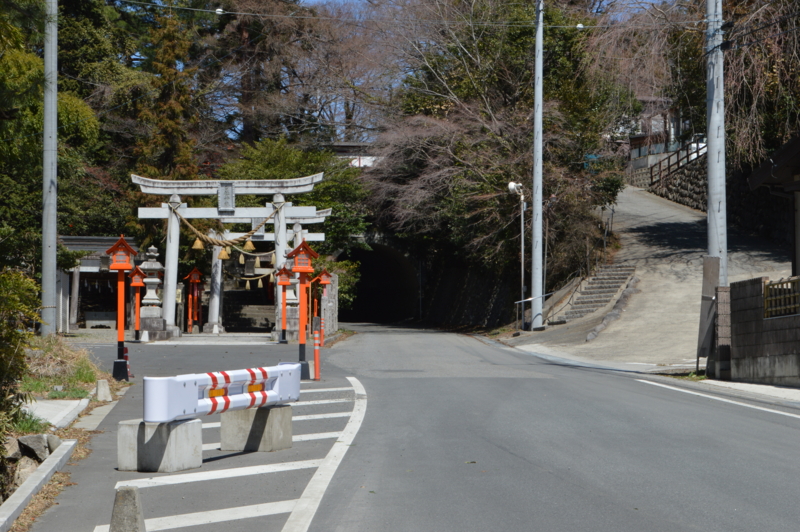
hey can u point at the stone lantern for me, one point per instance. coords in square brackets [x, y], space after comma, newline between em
[153, 324]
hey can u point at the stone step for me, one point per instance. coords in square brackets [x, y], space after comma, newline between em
[602, 284]
[599, 291]
[606, 277]
[589, 307]
[599, 302]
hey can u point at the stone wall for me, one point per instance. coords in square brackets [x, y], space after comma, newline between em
[765, 351]
[687, 185]
[457, 295]
[756, 211]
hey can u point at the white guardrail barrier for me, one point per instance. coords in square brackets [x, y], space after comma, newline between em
[188, 396]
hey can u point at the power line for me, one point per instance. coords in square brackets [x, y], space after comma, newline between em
[221, 12]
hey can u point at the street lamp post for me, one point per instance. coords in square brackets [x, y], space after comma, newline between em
[284, 280]
[302, 255]
[121, 261]
[516, 188]
[137, 281]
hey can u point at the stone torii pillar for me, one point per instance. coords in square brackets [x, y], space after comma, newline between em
[226, 192]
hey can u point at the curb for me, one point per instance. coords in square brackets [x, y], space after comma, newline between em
[70, 416]
[14, 505]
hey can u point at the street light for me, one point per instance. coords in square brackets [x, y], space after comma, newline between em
[302, 255]
[516, 188]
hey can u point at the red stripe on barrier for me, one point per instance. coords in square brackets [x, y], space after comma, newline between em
[264, 398]
[213, 406]
[213, 379]
[227, 377]
[252, 375]
[264, 372]
[252, 400]
[227, 403]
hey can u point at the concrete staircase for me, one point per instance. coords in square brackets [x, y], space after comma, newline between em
[244, 311]
[599, 290]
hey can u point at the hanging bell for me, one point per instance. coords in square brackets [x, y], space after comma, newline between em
[223, 255]
[241, 258]
[272, 277]
[248, 246]
[273, 260]
[198, 244]
[260, 284]
[247, 285]
[258, 262]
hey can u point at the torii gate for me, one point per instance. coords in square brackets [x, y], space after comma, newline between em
[226, 192]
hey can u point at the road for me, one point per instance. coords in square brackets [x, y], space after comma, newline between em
[463, 434]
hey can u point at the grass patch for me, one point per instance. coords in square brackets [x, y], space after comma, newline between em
[69, 393]
[27, 423]
[52, 363]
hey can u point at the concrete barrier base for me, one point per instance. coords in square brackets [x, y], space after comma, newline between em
[159, 447]
[257, 429]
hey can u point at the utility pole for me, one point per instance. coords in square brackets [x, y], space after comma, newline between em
[536, 200]
[715, 158]
[49, 170]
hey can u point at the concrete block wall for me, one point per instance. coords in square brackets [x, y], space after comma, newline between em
[763, 350]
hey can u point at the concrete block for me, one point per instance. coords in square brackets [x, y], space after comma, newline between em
[159, 447]
[103, 391]
[127, 515]
[150, 313]
[257, 429]
[156, 323]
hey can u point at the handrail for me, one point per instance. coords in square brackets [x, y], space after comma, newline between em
[675, 160]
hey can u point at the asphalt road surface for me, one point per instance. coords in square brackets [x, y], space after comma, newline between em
[460, 434]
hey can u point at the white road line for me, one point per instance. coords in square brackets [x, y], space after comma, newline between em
[300, 518]
[213, 516]
[316, 436]
[219, 474]
[323, 402]
[787, 414]
[320, 390]
[321, 416]
[298, 437]
[215, 425]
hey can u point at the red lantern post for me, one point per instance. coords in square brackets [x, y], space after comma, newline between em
[324, 279]
[284, 280]
[193, 310]
[137, 281]
[121, 255]
[303, 256]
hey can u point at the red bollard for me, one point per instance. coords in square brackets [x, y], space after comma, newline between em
[316, 355]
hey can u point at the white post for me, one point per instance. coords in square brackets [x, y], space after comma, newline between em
[215, 288]
[715, 158]
[171, 264]
[279, 226]
[536, 200]
[49, 170]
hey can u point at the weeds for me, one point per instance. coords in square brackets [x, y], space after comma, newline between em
[54, 363]
[27, 423]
